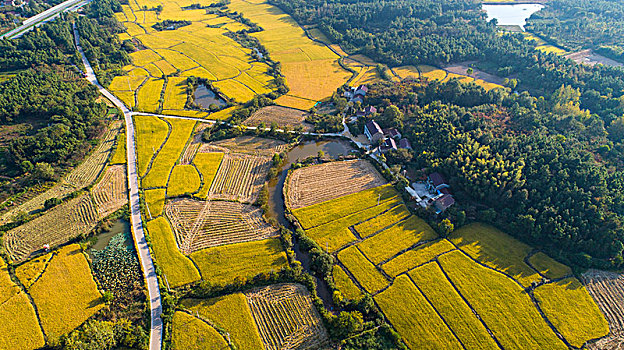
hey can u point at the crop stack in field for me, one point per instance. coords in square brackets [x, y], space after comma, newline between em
[607, 289]
[111, 193]
[59, 225]
[247, 145]
[193, 146]
[320, 183]
[286, 318]
[198, 224]
[240, 177]
[82, 176]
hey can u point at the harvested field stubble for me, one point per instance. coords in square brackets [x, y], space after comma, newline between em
[286, 318]
[240, 177]
[607, 290]
[319, 183]
[282, 116]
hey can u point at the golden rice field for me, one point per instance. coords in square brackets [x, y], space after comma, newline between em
[362, 269]
[184, 179]
[345, 284]
[208, 165]
[189, 332]
[151, 133]
[155, 199]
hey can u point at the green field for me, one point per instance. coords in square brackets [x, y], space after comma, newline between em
[169, 154]
[401, 236]
[382, 221]
[66, 294]
[208, 165]
[502, 304]
[231, 313]
[497, 250]
[344, 284]
[548, 266]
[177, 268]
[334, 209]
[224, 264]
[416, 256]
[414, 318]
[572, 311]
[445, 299]
[362, 269]
[151, 132]
[184, 179]
[189, 332]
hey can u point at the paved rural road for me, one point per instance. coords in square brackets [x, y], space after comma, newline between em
[47, 15]
[137, 224]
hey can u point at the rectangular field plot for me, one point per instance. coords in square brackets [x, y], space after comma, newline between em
[548, 266]
[149, 95]
[175, 93]
[286, 318]
[503, 305]
[144, 57]
[189, 332]
[414, 318]
[223, 264]
[250, 145]
[572, 311]
[382, 221]
[497, 250]
[450, 305]
[416, 257]
[362, 269]
[204, 224]
[334, 209]
[208, 165]
[177, 268]
[345, 284]
[397, 238]
[230, 312]
[319, 183]
[150, 134]
[111, 192]
[240, 177]
[184, 179]
[21, 332]
[66, 294]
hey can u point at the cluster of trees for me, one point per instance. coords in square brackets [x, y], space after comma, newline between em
[170, 24]
[536, 167]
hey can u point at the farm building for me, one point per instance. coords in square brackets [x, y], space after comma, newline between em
[434, 191]
[393, 133]
[373, 131]
[443, 202]
[356, 94]
[370, 110]
[388, 145]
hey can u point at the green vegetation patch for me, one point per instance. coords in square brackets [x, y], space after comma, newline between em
[224, 264]
[189, 332]
[155, 199]
[497, 250]
[362, 269]
[66, 294]
[416, 257]
[178, 269]
[169, 154]
[401, 236]
[335, 209]
[230, 312]
[345, 285]
[184, 180]
[382, 221]
[457, 314]
[548, 266]
[503, 305]
[572, 311]
[151, 132]
[208, 165]
[21, 332]
[414, 318]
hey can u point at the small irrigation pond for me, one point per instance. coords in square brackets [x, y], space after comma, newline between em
[333, 149]
[102, 240]
[204, 97]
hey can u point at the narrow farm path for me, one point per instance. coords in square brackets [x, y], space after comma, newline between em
[137, 224]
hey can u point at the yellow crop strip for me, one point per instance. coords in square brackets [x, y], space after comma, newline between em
[445, 299]
[230, 312]
[177, 268]
[242, 260]
[151, 132]
[572, 311]
[344, 284]
[549, 267]
[66, 294]
[29, 272]
[208, 164]
[416, 256]
[396, 238]
[502, 304]
[144, 57]
[189, 332]
[382, 221]
[184, 179]
[362, 269]
[175, 93]
[413, 317]
[497, 250]
[149, 95]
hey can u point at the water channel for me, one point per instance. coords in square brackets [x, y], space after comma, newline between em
[205, 97]
[511, 15]
[333, 149]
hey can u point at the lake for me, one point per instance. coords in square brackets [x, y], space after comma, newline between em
[204, 97]
[511, 15]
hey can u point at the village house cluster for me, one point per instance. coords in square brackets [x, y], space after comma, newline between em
[388, 139]
[433, 191]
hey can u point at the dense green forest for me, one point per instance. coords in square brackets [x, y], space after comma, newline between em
[582, 24]
[516, 161]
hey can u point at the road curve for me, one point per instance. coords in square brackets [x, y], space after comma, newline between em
[137, 223]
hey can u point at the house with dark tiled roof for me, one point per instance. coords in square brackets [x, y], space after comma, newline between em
[373, 131]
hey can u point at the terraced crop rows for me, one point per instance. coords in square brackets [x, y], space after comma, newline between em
[607, 289]
[198, 224]
[246, 145]
[309, 185]
[240, 177]
[111, 193]
[193, 146]
[286, 318]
